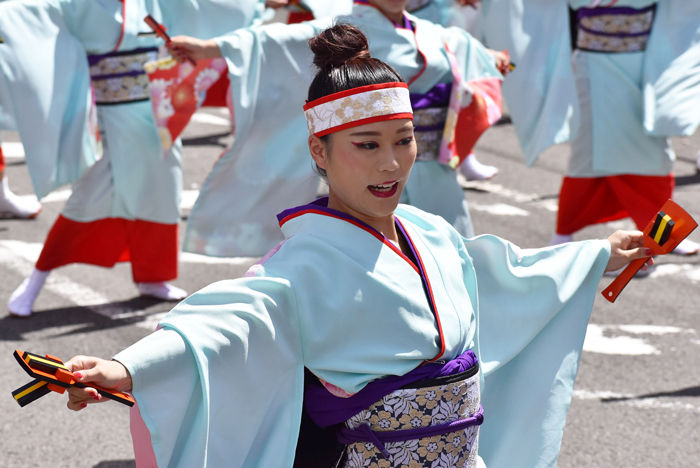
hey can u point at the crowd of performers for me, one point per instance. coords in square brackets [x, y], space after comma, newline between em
[389, 97]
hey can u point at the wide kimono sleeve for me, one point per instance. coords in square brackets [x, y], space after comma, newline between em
[533, 310]
[672, 70]
[44, 77]
[221, 384]
[268, 167]
[540, 92]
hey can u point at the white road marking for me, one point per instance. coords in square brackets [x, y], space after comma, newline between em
[188, 257]
[499, 209]
[203, 118]
[189, 197]
[690, 271]
[13, 149]
[57, 196]
[635, 401]
[597, 342]
[21, 257]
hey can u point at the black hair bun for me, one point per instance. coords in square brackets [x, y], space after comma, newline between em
[338, 45]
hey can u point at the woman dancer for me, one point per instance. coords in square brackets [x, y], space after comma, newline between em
[625, 90]
[268, 68]
[443, 12]
[381, 304]
[125, 207]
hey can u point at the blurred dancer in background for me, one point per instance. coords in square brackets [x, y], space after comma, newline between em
[605, 75]
[125, 207]
[270, 66]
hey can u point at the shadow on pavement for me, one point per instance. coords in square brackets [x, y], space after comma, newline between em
[116, 464]
[688, 180]
[209, 140]
[684, 392]
[92, 318]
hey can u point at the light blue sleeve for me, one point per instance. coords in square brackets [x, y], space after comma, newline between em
[672, 70]
[533, 310]
[474, 59]
[222, 383]
[44, 72]
[540, 92]
[268, 168]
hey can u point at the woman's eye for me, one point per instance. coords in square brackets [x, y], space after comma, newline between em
[405, 141]
[370, 145]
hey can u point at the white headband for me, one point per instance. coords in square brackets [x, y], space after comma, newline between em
[358, 106]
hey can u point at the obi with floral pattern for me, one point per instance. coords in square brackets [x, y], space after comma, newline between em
[429, 118]
[431, 423]
[613, 29]
[119, 77]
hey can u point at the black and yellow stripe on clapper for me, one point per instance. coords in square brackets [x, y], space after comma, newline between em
[661, 231]
[30, 392]
[1, 41]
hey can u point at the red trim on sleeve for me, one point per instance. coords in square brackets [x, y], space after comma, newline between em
[121, 34]
[424, 276]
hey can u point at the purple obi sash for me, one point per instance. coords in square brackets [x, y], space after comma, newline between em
[429, 117]
[613, 29]
[119, 77]
[326, 409]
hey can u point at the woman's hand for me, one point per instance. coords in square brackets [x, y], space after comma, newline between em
[502, 61]
[111, 375]
[275, 4]
[470, 3]
[181, 47]
[626, 246]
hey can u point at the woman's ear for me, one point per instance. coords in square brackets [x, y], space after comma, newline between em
[319, 151]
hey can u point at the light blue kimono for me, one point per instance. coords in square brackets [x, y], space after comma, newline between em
[44, 82]
[134, 179]
[269, 166]
[619, 109]
[221, 384]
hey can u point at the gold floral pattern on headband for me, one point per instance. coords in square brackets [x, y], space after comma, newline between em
[358, 107]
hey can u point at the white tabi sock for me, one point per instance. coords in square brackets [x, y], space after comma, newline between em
[561, 239]
[472, 169]
[14, 206]
[162, 290]
[687, 247]
[22, 300]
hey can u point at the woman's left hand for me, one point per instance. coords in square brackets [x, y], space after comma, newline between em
[502, 61]
[626, 246]
[470, 3]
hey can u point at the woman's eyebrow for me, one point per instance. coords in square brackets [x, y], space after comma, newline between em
[366, 134]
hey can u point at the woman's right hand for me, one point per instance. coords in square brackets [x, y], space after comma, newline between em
[181, 47]
[111, 375]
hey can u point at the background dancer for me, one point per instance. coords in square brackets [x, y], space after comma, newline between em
[126, 206]
[230, 360]
[619, 97]
[268, 66]
[445, 12]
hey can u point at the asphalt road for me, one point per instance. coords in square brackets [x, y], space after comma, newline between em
[637, 396]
